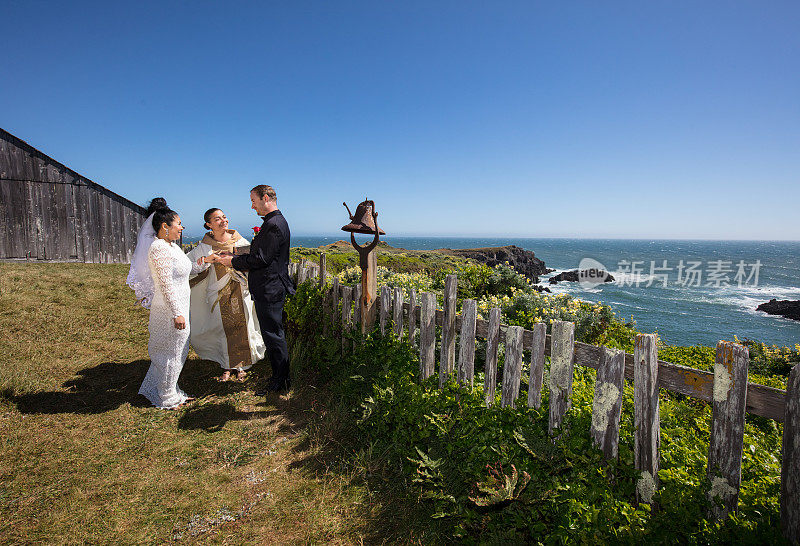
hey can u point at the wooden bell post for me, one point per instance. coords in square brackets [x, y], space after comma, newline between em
[365, 221]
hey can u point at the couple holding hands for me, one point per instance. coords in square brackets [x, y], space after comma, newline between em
[230, 279]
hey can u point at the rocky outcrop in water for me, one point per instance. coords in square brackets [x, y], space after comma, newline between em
[784, 308]
[523, 261]
[572, 276]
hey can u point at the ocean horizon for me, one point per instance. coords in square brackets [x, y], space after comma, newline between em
[689, 291]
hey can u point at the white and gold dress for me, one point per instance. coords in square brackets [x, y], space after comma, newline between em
[224, 324]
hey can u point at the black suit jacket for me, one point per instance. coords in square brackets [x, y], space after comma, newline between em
[268, 261]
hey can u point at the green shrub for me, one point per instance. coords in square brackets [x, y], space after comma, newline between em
[491, 475]
[772, 360]
[702, 358]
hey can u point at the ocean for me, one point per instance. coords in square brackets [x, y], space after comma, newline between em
[721, 282]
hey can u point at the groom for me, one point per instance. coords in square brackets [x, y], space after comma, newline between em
[268, 281]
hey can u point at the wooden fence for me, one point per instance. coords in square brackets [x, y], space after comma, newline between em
[727, 388]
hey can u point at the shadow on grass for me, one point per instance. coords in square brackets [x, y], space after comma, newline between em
[393, 514]
[287, 409]
[109, 385]
[213, 417]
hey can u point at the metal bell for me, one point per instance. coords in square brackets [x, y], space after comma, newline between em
[364, 219]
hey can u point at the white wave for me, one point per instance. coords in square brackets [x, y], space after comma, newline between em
[636, 280]
[554, 272]
[768, 292]
[556, 288]
[747, 298]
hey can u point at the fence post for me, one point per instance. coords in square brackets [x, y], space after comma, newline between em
[384, 308]
[427, 335]
[537, 365]
[448, 354]
[647, 423]
[466, 343]
[357, 304]
[790, 471]
[512, 368]
[727, 427]
[562, 363]
[397, 312]
[492, 345]
[326, 303]
[607, 403]
[412, 315]
[323, 264]
[369, 293]
[334, 300]
[347, 294]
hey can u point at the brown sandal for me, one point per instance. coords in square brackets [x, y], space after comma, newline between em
[183, 404]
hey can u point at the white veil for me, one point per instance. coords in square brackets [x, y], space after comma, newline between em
[139, 276]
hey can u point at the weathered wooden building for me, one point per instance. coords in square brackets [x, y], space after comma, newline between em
[48, 212]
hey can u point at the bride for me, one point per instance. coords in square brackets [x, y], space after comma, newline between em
[224, 325]
[159, 276]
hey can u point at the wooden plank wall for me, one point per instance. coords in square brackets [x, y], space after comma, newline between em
[51, 213]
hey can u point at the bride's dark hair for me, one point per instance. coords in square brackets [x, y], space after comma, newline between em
[163, 214]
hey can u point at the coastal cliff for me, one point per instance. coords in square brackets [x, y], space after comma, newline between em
[341, 254]
[523, 261]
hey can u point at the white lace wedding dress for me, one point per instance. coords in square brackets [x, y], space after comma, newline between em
[168, 346]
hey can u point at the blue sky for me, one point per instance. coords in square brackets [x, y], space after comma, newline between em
[534, 119]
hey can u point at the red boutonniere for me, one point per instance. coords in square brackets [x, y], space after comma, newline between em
[256, 229]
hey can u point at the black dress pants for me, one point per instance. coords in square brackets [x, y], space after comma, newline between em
[270, 319]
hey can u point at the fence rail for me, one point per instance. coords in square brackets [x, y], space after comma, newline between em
[726, 389]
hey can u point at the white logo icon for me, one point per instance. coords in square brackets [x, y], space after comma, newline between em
[591, 273]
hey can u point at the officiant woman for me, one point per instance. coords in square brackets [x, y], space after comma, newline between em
[225, 328]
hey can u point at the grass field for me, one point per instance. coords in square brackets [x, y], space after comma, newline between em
[84, 459]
